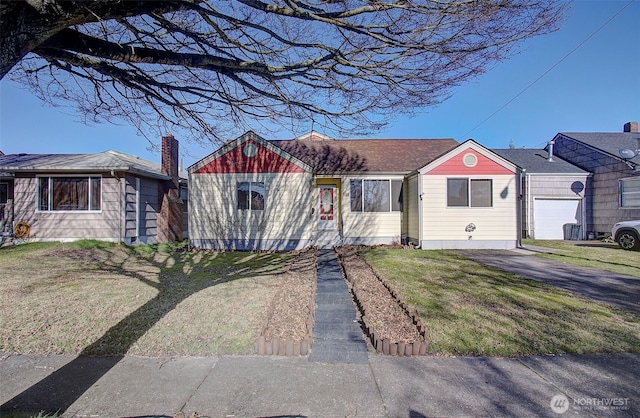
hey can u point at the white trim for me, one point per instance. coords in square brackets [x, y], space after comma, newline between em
[468, 244]
[251, 182]
[585, 174]
[467, 145]
[470, 160]
[621, 191]
[469, 179]
[362, 179]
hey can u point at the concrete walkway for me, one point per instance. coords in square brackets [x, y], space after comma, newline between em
[615, 289]
[337, 337]
[252, 386]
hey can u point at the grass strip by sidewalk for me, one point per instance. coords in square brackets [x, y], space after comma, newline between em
[95, 298]
[594, 254]
[472, 309]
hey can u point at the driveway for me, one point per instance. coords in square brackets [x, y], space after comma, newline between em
[615, 289]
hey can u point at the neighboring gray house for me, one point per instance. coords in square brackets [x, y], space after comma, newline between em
[553, 194]
[613, 194]
[108, 196]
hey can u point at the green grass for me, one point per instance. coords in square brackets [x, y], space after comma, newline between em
[471, 309]
[95, 298]
[595, 254]
[20, 414]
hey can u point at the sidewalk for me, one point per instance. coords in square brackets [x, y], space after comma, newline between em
[251, 386]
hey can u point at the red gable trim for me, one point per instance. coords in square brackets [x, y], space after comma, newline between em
[264, 161]
[486, 162]
[455, 166]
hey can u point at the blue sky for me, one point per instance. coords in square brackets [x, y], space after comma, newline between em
[594, 89]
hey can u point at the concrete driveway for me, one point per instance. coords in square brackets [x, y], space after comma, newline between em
[615, 289]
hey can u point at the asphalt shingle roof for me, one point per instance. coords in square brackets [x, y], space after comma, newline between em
[535, 161]
[609, 142]
[103, 161]
[367, 155]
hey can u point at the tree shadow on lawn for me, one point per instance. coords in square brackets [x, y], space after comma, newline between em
[58, 391]
[567, 257]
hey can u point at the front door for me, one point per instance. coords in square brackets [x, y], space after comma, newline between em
[327, 212]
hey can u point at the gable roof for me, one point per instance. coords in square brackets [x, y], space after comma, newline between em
[608, 142]
[81, 163]
[534, 161]
[230, 147]
[366, 155]
[493, 163]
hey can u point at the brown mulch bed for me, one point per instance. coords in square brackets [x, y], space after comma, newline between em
[382, 311]
[291, 306]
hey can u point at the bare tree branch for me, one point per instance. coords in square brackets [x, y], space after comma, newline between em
[210, 66]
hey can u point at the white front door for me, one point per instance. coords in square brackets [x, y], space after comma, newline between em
[327, 212]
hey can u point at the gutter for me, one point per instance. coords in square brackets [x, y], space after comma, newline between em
[88, 170]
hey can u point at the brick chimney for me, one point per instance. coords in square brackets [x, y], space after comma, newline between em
[170, 214]
[631, 127]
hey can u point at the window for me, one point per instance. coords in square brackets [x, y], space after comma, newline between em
[251, 195]
[481, 193]
[464, 192]
[4, 193]
[630, 192]
[69, 193]
[376, 195]
[457, 192]
[184, 193]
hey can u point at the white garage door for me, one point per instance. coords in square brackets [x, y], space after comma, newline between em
[551, 215]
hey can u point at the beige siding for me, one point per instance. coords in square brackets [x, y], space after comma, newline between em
[214, 217]
[69, 225]
[411, 208]
[497, 223]
[366, 227]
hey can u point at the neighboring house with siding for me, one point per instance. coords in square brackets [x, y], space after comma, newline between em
[554, 194]
[614, 192]
[108, 196]
[257, 194]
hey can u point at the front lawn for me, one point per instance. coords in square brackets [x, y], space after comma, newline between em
[472, 309]
[95, 298]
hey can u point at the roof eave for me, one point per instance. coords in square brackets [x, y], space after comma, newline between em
[76, 170]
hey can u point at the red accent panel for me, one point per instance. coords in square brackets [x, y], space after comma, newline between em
[455, 166]
[265, 161]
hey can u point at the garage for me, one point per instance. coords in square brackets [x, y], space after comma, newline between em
[551, 215]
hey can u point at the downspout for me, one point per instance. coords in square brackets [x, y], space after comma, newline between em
[529, 208]
[115, 175]
[522, 174]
